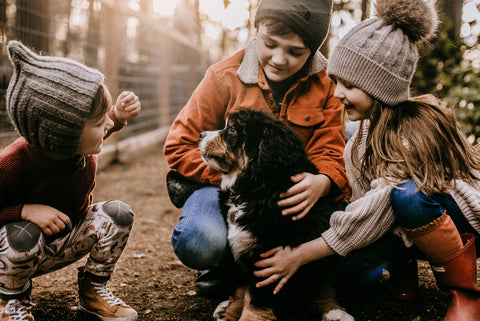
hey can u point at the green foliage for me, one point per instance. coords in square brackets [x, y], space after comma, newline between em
[464, 94]
[444, 71]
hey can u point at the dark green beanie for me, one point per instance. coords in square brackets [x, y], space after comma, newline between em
[310, 19]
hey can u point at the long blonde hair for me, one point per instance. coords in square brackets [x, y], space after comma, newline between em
[418, 139]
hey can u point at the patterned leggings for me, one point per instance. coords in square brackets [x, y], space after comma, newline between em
[25, 252]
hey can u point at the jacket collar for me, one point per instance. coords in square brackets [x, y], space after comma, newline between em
[248, 70]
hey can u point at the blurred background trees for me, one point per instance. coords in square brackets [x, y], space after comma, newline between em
[161, 48]
[450, 67]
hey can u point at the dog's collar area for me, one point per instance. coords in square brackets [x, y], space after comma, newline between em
[234, 197]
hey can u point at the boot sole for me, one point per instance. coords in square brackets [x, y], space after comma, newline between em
[87, 315]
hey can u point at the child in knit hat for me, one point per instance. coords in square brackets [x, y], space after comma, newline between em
[283, 73]
[62, 110]
[411, 168]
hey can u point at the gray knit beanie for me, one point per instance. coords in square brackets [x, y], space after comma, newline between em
[49, 98]
[310, 19]
[380, 55]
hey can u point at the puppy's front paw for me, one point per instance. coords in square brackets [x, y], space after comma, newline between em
[219, 313]
[337, 315]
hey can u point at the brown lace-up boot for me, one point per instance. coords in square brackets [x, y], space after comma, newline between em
[96, 299]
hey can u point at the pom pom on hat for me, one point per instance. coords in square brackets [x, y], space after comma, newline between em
[50, 98]
[380, 54]
[417, 20]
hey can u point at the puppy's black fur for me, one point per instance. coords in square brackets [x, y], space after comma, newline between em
[260, 155]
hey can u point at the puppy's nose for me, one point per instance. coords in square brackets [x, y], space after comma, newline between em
[203, 134]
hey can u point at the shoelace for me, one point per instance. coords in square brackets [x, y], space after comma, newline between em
[106, 294]
[18, 310]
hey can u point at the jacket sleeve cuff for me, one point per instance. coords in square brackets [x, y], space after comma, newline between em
[341, 189]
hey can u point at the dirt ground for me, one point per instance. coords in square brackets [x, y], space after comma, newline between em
[151, 279]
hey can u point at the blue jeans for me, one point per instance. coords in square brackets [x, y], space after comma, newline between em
[200, 238]
[414, 209]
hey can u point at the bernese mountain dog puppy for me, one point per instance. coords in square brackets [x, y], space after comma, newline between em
[257, 155]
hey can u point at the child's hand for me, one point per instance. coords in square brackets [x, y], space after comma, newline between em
[50, 220]
[127, 107]
[279, 264]
[299, 199]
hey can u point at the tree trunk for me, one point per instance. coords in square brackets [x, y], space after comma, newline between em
[93, 36]
[33, 24]
[365, 9]
[3, 15]
[452, 9]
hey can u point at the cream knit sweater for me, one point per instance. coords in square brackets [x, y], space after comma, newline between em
[369, 214]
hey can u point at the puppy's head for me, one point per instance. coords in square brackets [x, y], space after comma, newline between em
[253, 141]
[224, 150]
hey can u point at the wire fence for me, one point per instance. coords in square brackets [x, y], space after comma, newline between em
[157, 57]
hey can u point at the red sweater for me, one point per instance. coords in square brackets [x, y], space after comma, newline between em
[26, 177]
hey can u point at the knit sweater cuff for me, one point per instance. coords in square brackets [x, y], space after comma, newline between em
[11, 214]
[117, 124]
[340, 247]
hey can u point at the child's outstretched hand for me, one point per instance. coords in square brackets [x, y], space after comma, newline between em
[299, 199]
[277, 265]
[127, 106]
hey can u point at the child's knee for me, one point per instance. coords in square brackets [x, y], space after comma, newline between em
[404, 193]
[413, 208]
[200, 249]
[24, 239]
[406, 198]
[121, 213]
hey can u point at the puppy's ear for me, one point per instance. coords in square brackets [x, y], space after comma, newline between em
[279, 149]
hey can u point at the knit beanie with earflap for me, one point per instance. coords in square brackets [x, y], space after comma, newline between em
[380, 54]
[50, 98]
[310, 19]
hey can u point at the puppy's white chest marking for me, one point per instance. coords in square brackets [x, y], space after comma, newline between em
[240, 240]
[232, 215]
[234, 212]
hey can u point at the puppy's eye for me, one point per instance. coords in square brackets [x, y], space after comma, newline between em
[232, 131]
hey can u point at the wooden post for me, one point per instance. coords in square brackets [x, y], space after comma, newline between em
[165, 105]
[109, 63]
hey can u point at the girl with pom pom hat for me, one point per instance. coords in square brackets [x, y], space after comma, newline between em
[411, 168]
